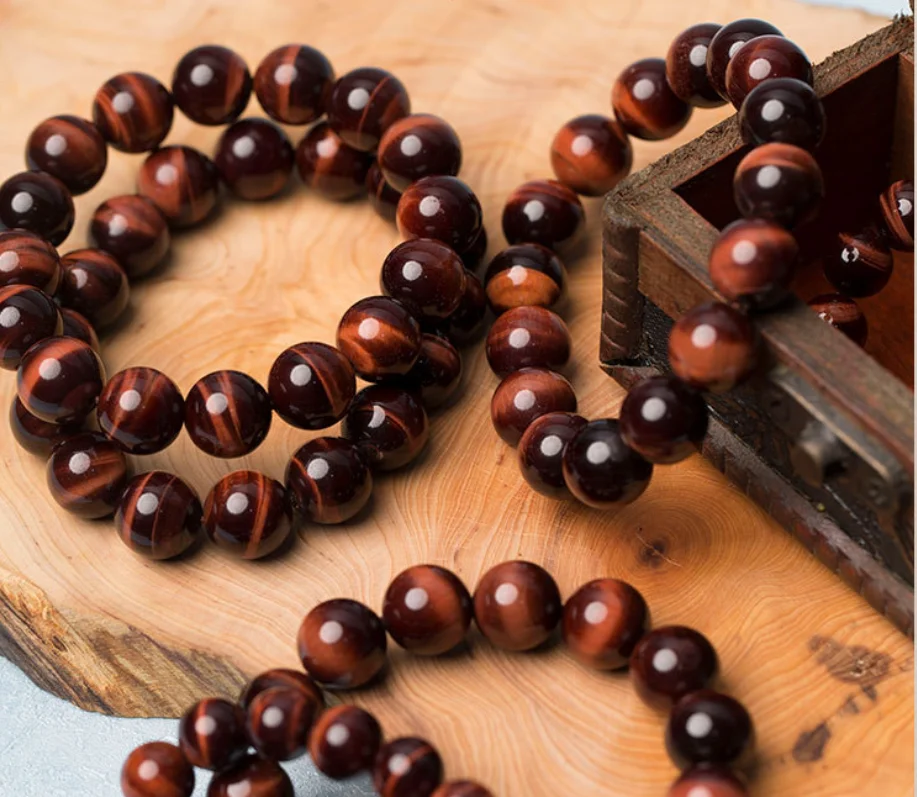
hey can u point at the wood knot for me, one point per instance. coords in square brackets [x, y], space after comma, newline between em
[852, 664]
[653, 552]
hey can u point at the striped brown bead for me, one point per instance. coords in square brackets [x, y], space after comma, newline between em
[27, 316]
[157, 769]
[380, 337]
[133, 230]
[669, 662]
[543, 212]
[87, 474]
[328, 480]
[254, 158]
[897, 203]
[34, 435]
[280, 677]
[591, 154]
[417, 146]
[524, 275]
[407, 766]
[644, 103]
[462, 788]
[159, 516]
[60, 380]
[440, 207]
[364, 103]
[141, 409]
[253, 776]
[211, 734]
[211, 85]
[69, 148]
[28, 259]
[36, 202]
[94, 284]
[686, 66]
[527, 337]
[388, 424]
[278, 722]
[541, 451]
[727, 41]
[860, 264]
[331, 167]
[293, 84]
[382, 196]
[182, 182]
[227, 414]
[843, 313]
[426, 276]
[525, 395]
[76, 326]
[344, 741]
[133, 111]
[761, 59]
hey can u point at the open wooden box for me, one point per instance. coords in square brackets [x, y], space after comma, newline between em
[823, 436]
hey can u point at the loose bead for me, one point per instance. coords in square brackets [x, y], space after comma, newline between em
[462, 788]
[211, 734]
[142, 410]
[364, 103]
[541, 451]
[86, 475]
[293, 84]
[344, 741]
[686, 66]
[710, 779]
[440, 207]
[602, 623]
[543, 212]
[36, 202]
[70, 149]
[707, 727]
[601, 470]
[645, 105]
[407, 767]
[248, 514]
[437, 373]
[591, 154]
[182, 182]
[328, 165]
[59, 380]
[279, 721]
[524, 275]
[133, 230]
[280, 677]
[157, 769]
[254, 158]
[669, 662]
[34, 435]
[380, 337]
[211, 85]
[713, 347]
[328, 480]
[227, 414]
[517, 605]
[527, 337]
[382, 196]
[133, 112]
[27, 315]
[76, 326]
[525, 395]
[783, 110]
[897, 204]
[427, 610]
[27, 259]
[253, 776]
[762, 59]
[860, 264]
[342, 644]
[426, 276]
[94, 284]
[843, 314]
[465, 325]
[388, 425]
[727, 42]
[418, 146]
[474, 254]
[159, 516]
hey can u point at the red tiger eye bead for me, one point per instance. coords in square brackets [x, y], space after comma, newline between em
[525, 395]
[380, 337]
[669, 662]
[70, 149]
[707, 727]
[227, 414]
[765, 58]
[462, 788]
[76, 326]
[27, 316]
[331, 167]
[388, 425]
[142, 410]
[443, 208]
[843, 314]
[645, 105]
[426, 276]
[159, 516]
[133, 230]
[157, 769]
[465, 325]
[437, 373]
[364, 103]
[133, 111]
[212, 734]
[686, 66]
[417, 146]
[279, 721]
[543, 212]
[717, 781]
[34, 435]
[182, 182]
[328, 480]
[524, 275]
[783, 110]
[344, 741]
[527, 337]
[897, 204]
[252, 776]
[293, 84]
[87, 474]
[541, 451]
[280, 677]
[407, 767]
[94, 284]
[591, 154]
[382, 196]
[60, 380]
[211, 85]
[860, 264]
[27, 259]
[727, 42]
[36, 202]
[254, 158]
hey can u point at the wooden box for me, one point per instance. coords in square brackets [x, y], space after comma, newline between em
[823, 436]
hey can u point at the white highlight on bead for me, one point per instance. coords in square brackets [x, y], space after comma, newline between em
[237, 503]
[331, 632]
[49, 369]
[699, 725]
[598, 452]
[524, 400]
[735, 47]
[517, 274]
[416, 598]
[703, 336]
[905, 206]
[378, 417]
[148, 770]
[581, 145]
[300, 375]
[699, 791]
[327, 147]
[129, 400]
[644, 88]
[243, 147]
[698, 55]
[369, 328]
[201, 74]
[80, 276]
[241, 789]
[22, 202]
[519, 338]
[216, 403]
[772, 110]
[205, 725]
[166, 174]
[653, 409]
[744, 252]
[357, 99]
[768, 176]
[272, 717]
[411, 145]
[79, 463]
[551, 446]
[665, 660]
[8, 261]
[506, 594]
[534, 209]
[117, 225]
[147, 504]
[9, 317]
[759, 69]
[122, 102]
[337, 735]
[399, 763]
[429, 206]
[317, 468]
[595, 613]
[285, 74]
[411, 270]
[55, 145]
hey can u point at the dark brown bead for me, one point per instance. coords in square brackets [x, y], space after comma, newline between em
[843, 314]
[76, 326]
[142, 410]
[34, 435]
[211, 734]
[70, 149]
[645, 105]
[525, 395]
[440, 207]
[133, 111]
[517, 605]
[182, 182]
[779, 183]
[713, 347]
[669, 662]
[280, 677]
[418, 146]
[159, 516]
[133, 230]
[783, 110]
[754, 261]
[364, 103]
[727, 42]
[36, 202]
[474, 254]
[382, 196]
[543, 212]
[86, 475]
[330, 166]
[427, 610]
[311, 385]
[897, 203]
[541, 451]
[380, 337]
[27, 316]
[465, 325]
[388, 425]
[342, 644]
[426, 276]
[603, 622]
[94, 284]
[524, 275]
[591, 154]
[686, 66]
[157, 769]
[407, 767]
[708, 779]
[254, 158]
[227, 414]
[860, 264]
[437, 373]
[765, 58]
[462, 788]
[709, 727]
[248, 514]
[527, 337]
[344, 741]
[601, 470]
[60, 380]
[293, 84]
[253, 776]
[28, 259]
[328, 480]
[279, 721]
[211, 85]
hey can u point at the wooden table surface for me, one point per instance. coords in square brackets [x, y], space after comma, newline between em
[829, 683]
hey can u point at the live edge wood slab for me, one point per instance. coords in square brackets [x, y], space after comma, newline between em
[828, 681]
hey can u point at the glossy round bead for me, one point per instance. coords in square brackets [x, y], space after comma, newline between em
[517, 605]
[417, 146]
[727, 42]
[182, 182]
[591, 154]
[779, 183]
[311, 385]
[254, 158]
[541, 451]
[783, 110]
[601, 470]
[252, 776]
[293, 84]
[380, 337]
[211, 85]
[133, 230]
[331, 167]
[283, 678]
[344, 741]
[524, 275]
[474, 254]
[717, 781]
[382, 196]
[27, 316]
[669, 662]
[527, 337]
[713, 347]
[36, 202]
[157, 769]
[407, 767]
[644, 104]
[70, 149]
[142, 410]
[754, 261]
[462, 788]
[388, 425]
[427, 610]
[86, 475]
[860, 264]
[686, 66]
[342, 644]
[440, 207]
[364, 103]
[159, 516]
[248, 514]
[227, 414]
[94, 284]
[543, 212]
[709, 727]
[211, 734]
[525, 395]
[28, 259]
[897, 203]
[328, 480]
[761, 59]
[437, 373]
[279, 721]
[133, 112]
[60, 380]
[465, 325]
[843, 314]
[426, 276]
[34, 435]
[76, 326]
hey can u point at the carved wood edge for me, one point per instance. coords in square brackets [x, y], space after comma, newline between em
[622, 302]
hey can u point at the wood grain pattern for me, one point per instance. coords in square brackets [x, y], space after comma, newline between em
[828, 681]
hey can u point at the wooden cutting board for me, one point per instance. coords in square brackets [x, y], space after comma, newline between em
[828, 681]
